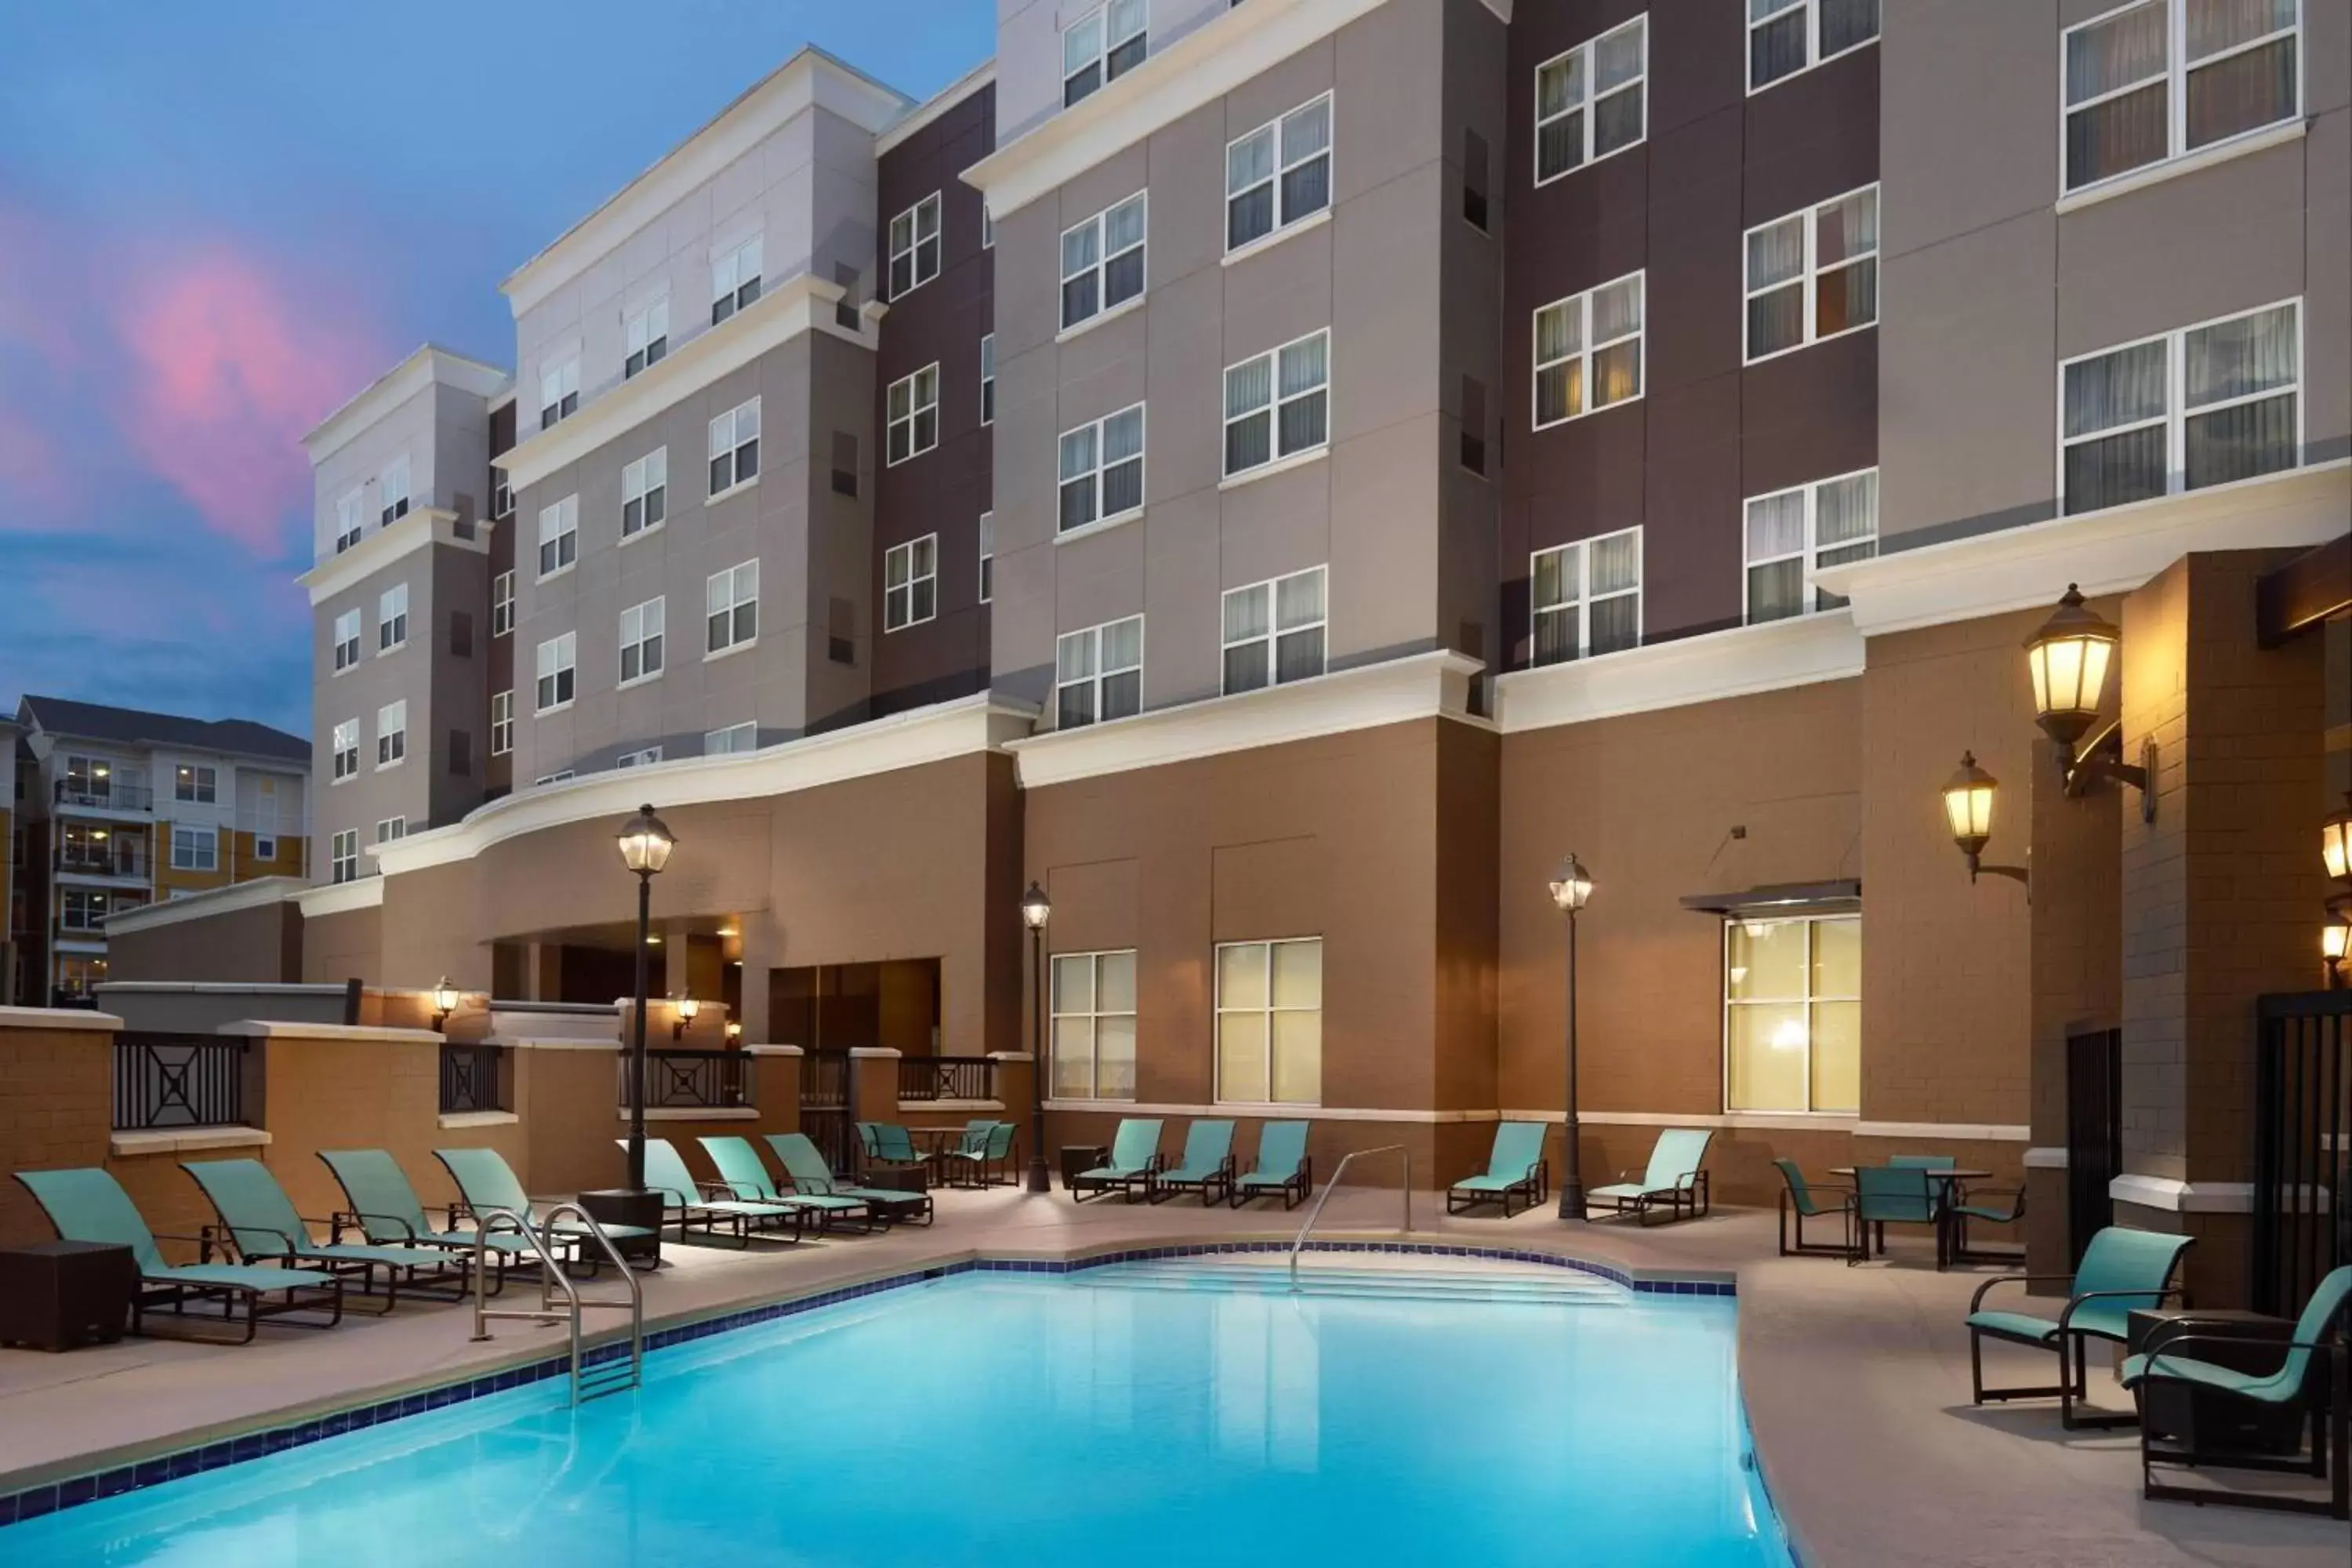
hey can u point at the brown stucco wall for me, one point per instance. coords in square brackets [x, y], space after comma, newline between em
[262, 945]
[349, 946]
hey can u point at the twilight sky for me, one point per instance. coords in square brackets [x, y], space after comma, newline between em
[219, 221]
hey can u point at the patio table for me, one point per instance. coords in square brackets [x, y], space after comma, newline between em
[1946, 1202]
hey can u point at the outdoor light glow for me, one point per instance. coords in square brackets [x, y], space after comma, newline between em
[444, 997]
[1790, 1035]
[1968, 805]
[2068, 660]
[1570, 885]
[645, 843]
[2335, 941]
[2336, 844]
[689, 1008]
[1036, 908]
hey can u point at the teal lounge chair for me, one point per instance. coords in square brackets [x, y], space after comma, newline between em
[90, 1205]
[387, 1212]
[261, 1222]
[805, 1166]
[1281, 1170]
[1676, 1179]
[485, 1182]
[1514, 1168]
[2120, 1270]
[978, 1164]
[1134, 1162]
[738, 1167]
[2174, 1389]
[1205, 1167]
[1800, 1202]
[685, 1199]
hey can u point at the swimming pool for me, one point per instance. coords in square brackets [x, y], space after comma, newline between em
[1122, 1415]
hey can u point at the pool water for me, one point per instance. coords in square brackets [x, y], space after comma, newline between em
[1102, 1419]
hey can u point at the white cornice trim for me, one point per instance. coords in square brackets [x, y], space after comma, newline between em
[2046, 1159]
[2177, 1196]
[1767, 1120]
[57, 1018]
[1419, 686]
[252, 895]
[773, 1051]
[429, 365]
[937, 733]
[1958, 1131]
[341, 897]
[1254, 1110]
[938, 103]
[185, 1140]
[423, 526]
[345, 1034]
[2109, 551]
[878, 1053]
[1736, 662]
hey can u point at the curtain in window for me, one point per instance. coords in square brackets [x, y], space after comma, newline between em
[1559, 143]
[1846, 22]
[2240, 360]
[2237, 359]
[1248, 613]
[1776, 262]
[2242, 93]
[1122, 450]
[2119, 388]
[1617, 369]
[1305, 368]
[1249, 389]
[1560, 378]
[1618, 59]
[1778, 47]
[1306, 186]
[1775, 528]
[2129, 130]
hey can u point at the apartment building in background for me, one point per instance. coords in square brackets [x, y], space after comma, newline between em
[15, 914]
[1281, 475]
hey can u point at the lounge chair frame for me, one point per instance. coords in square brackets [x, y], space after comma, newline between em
[1688, 1199]
[1215, 1183]
[2074, 1376]
[763, 1189]
[1534, 1187]
[1793, 1218]
[1293, 1189]
[2329, 1373]
[718, 1206]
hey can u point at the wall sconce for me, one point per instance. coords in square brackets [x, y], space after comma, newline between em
[688, 1008]
[734, 1033]
[2336, 842]
[445, 1002]
[1969, 797]
[2069, 658]
[2335, 945]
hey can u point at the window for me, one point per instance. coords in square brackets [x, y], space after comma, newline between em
[733, 618]
[347, 640]
[348, 521]
[734, 280]
[987, 557]
[559, 392]
[1270, 1022]
[390, 829]
[2166, 78]
[557, 660]
[643, 758]
[501, 494]
[641, 641]
[1278, 404]
[987, 228]
[844, 464]
[1102, 469]
[346, 747]
[735, 447]
[501, 724]
[1586, 598]
[195, 849]
[1793, 1014]
[1593, 101]
[1785, 36]
[1278, 174]
[343, 855]
[2203, 407]
[392, 618]
[1473, 425]
[1812, 275]
[915, 246]
[558, 536]
[391, 733]
[1791, 534]
[1098, 673]
[502, 608]
[461, 635]
[265, 847]
[910, 586]
[914, 410]
[1589, 351]
[197, 783]
[560, 776]
[1474, 179]
[743, 737]
[988, 379]
[645, 493]
[395, 491]
[648, 338]
[1101, 46]
[1093, 1025]
[1274, 631]
[1102, 261]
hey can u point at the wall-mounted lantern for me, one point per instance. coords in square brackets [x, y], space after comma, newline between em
[2335, 945]
[445, 1002]
[688, 1009]
[2069, 660]
[1969, 797]
[2336, 842]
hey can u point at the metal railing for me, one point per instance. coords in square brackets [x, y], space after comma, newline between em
[1333, 1186]
[2303, 1145]
[701, 1081]
[109, 794]
[95, 862]
[824, 1105]
[178, 1080]
[473, 1078]
[552, 1277]
[946, 1077]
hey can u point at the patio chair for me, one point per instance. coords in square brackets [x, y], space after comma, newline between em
[1283, 1169]
[387, 1211]
[485, 1182]
[261, 1223]
[741, 1170]
[2310, 1382]
[1134, 1162]
[1801, 1201]
[1675, 1178]
[1514, 1168]
[888, 1144]
[90, 1205]
[2120, 1270]
[1892, 1194]
[978, 1163]
[1979, 1206]
[805, 1166]
[1205, 1167]
[682, 1196]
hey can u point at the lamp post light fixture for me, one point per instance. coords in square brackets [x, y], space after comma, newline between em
[688, 1009]
[646, 845]
[445, 1001]
[1969, 797]
[1035, 911]
[2069, 658]
[1570, 886]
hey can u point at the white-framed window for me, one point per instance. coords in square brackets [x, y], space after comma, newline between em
[346, 749]
[910, 583]
[915, 246]
[1589, 351]
[391, 733]
[1592, 100]
[265, 847]
[556, 670]
[1274, 631]
[501, 494]
[743, 737]
[558, 536]
[987, 557]
[735, 447]
[645, 493]
[2203, 405]
[1103, 260]
[1786, 36]
[350, 520]
[647, 335]
[1102, 470]
[988, 379]
[560, 775]
[390, 829]
[987, 228]
[1278, 403]
[1792, 532]
[347, 640]
[501, 722]
[2159, 80]
[1101, 46]
[1812, 275]
[1270, 1022]
[1585, 598]
[1098, 673]
[394, 497]
[559, 391]
[914, 415]
[503, 604]
[641, 641]
[343, 855]
[732, 601]
[644, 757]
[1793, 1014]
[1093, 1025]
[195, 783]
[392, 618]
[734, 280]
[1278, 174]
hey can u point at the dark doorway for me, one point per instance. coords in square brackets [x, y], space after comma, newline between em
[2094, 1133]
[894, 1002]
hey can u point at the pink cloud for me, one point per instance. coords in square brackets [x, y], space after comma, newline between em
[31, 471]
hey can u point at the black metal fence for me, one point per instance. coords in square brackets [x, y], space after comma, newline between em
[2303, 1145]
[702, 1080]
[946, 1077]
[178, 1080]
[473, 1078]
[825, 1106]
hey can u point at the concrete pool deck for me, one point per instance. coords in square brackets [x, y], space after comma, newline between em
[1856, 1380]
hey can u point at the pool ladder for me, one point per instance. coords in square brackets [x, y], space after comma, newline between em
[1332, 1185]
[587, 1382]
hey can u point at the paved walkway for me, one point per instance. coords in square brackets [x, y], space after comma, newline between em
[1856, 1380]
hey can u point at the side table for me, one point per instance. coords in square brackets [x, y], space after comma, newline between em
[619, 1205]
[57, 1295]
[1079, 1157]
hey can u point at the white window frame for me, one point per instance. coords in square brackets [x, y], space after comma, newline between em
[1285, 220]
[1093, 475]
[644, 484]
[1590, 103]
[503, 604]
[555, 674]
[1267, 1011]
[392, 734]
[1809, 552]
[735, 278]
[202, 846]
[1814, 59]
[1271, 638]
[643, 757]
[1580, 606]
[1089, 642]
[920, 398]
[1274, 406]
[1094, 1014]
[343, 855]
[393, 496]
[392, 619]
[343, 748]
[726, 742]
[559, 538]
[740, 585]
[345, 636]
[559, 391]
[642, 627]
[1099, 267]
[265, 846]
[987, 557]
[645, 338]
[501, 494]
[351, 520]
[1581, 306]
[390, 829]
[731, 444]
[1106, 69]
[988, 379]
[502, 723]
[1809, 281]
[2176, 69]
[911, 224]
[907, 571]
[1808, 1001]
[197, 784]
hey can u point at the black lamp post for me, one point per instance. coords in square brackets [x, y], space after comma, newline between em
[1035, 911]
[645, 846]
[1570, 885]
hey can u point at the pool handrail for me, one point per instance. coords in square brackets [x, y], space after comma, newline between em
[551, 1277]
[1332, 1185]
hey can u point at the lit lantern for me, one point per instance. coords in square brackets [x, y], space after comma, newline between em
[1968, 806]
[2068, 659]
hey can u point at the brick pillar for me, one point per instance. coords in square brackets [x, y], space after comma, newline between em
[56, 1103]
[779, 1088]
[872, 1083]
[1016, 1085]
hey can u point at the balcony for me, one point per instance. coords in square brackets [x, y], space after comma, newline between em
[124, 860]
[104, 795]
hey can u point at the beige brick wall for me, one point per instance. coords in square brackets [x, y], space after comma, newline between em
[55, 1110]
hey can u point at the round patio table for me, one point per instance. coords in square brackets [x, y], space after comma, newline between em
[1944, 1225]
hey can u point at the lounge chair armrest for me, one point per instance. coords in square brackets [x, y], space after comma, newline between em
[2066, 1313]
[1976, 1300]
[360, 1218]
[2236, 1340]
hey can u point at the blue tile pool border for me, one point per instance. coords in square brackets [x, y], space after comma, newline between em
[35, 1503]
